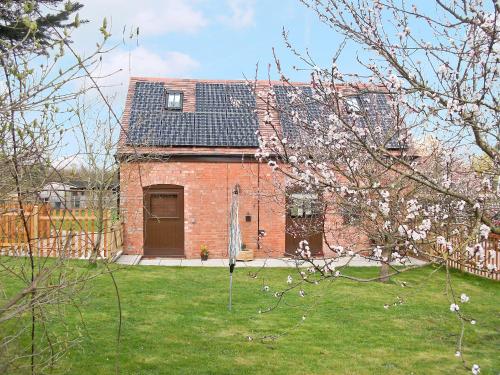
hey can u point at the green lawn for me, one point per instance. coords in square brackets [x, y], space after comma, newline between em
[83, 219]
[175, 321]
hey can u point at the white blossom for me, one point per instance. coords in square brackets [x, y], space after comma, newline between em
[440, 240]
[395, 255]
[484, 230]
[491, 267]
[338, 249]
[403, 230]
[384, 208]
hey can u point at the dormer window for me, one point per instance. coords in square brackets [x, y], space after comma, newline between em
[352, 105]
[173, 100]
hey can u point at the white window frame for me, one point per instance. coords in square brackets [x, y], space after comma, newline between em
[176, 103]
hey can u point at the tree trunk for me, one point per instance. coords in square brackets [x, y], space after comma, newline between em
[384, 267]
[99, 214]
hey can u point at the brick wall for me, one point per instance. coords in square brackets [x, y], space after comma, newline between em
[208, 187]
[207, 198]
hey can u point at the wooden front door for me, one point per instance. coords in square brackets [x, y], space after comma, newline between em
[164, 221]
[304, 221]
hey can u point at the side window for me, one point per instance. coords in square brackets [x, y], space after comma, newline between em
[304, 205]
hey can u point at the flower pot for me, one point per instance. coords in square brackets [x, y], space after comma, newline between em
[204, 257]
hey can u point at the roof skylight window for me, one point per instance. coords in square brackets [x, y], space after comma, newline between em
[352, 105]
[173, 101]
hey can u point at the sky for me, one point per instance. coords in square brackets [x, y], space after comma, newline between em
[206, 39]
[211, 39]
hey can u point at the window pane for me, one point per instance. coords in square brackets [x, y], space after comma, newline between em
[163, 205]
[308, 208]
[177, 100]
[303, 205]
[174, 100]
[170, 101]
[352, 105]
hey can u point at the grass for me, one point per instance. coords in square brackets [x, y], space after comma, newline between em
[85, 219]
[175, 321]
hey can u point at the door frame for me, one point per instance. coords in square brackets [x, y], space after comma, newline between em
[163, 188]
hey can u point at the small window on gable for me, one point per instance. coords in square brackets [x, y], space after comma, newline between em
[173, 100]
[352, 105]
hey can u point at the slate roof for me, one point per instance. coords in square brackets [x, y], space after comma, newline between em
[218, 114]
[310, 110]
[224, 116]
[372, 105]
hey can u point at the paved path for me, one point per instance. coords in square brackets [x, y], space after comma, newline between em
[280, 262]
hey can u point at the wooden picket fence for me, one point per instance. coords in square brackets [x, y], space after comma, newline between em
[58, 232]
[473, 264]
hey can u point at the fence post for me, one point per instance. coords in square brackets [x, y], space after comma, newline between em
[107, 227]
[112, 240]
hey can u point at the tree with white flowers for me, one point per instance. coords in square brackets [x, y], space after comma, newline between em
[393, 147]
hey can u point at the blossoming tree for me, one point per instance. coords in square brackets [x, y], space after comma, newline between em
[359, 143]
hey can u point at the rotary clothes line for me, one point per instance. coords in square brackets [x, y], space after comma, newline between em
[234, 239]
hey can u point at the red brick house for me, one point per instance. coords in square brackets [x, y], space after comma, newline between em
[184, 147]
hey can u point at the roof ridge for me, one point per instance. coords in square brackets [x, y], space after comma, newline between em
[177, 80]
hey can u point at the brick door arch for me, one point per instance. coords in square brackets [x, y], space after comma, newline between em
[164, 221]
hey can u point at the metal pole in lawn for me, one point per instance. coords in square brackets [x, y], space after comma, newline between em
[231, 269]
[234, 240]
